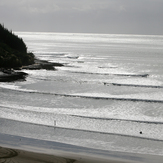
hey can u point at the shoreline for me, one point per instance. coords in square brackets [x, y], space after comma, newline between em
[21, 149]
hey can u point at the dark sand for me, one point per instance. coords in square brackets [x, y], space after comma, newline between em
[20, 156]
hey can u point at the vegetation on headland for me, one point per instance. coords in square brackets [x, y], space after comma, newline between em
[13, 51]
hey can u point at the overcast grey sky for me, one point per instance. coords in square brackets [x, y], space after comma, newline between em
[88, 16]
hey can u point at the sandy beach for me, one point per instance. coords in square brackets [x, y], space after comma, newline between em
[25, 150]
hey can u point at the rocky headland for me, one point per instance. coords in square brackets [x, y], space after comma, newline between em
[14, 57]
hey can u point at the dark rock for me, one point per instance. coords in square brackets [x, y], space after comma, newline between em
[47, 66]
[42, 64]
[7, 75]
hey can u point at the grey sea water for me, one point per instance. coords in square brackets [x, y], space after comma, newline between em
[109, 94]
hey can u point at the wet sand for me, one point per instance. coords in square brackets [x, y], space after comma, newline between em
[15, 149]
[20, 156]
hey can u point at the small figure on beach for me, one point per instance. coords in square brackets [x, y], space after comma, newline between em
[141, 132]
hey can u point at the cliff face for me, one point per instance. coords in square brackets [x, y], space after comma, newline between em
[13, 51]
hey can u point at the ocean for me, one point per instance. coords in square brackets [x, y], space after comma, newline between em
[107, 96]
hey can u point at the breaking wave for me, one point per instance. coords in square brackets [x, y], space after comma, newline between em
[118, 119]
[134, 85]
[107, 67]
[129, 75]
[89, 96]
[73, 57]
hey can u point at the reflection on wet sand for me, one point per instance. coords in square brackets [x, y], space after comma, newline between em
[18, 156]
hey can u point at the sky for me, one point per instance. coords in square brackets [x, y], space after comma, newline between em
[84, 16]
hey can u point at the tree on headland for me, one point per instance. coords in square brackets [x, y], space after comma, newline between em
[13, 51]
[10, 39]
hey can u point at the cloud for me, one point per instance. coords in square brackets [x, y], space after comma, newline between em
[100, 16]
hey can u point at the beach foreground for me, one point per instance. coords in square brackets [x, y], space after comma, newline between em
[25, 150]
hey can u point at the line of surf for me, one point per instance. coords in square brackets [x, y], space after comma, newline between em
[135, 85]
[96, 73]
[98, 97]
[118, 119]
[50, 110]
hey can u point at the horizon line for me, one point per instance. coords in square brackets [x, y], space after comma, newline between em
[93, 33]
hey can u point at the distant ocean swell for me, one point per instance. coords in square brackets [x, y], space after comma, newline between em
[132, 77]
[120, 74]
